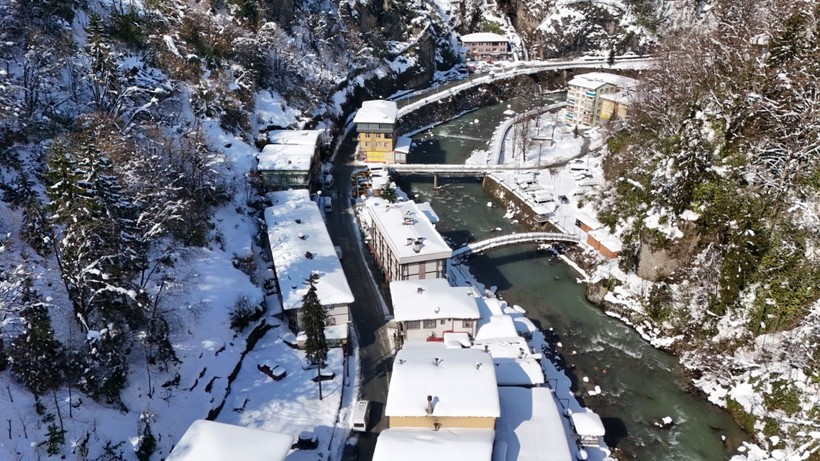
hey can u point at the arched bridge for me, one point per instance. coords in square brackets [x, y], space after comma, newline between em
[513, 239]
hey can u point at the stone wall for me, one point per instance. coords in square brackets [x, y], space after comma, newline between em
[521, 210]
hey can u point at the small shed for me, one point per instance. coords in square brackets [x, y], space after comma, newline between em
[589, 427]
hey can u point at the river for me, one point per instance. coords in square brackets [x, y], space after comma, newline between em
[640, 384]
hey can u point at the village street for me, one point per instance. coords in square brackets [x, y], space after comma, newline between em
[375, 351]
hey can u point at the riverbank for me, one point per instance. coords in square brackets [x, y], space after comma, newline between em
[589, 340]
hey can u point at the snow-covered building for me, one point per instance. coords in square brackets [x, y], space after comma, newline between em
[297, 137]
[585, 95]
[436, 387]
[427, 309]
[376, 124]
[515, 363]
[589, 427]
[284, 166]
[486, 46]
[291, 160]
[531, 427]
[404, 241]
[301, 248]
[454, 444]
[212, 441]
[594, 234]
[615, 106]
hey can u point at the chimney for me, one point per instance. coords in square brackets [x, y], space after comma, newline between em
[420, 290]
[417, 246]
[436, 361]
[409, 241]
[477, 365]
[430, 404]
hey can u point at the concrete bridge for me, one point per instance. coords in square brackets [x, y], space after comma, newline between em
[524, 68]
[526, 238]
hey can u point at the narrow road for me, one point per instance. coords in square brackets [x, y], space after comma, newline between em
[368, 316]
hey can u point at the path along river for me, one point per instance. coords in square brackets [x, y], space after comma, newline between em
[639, 384]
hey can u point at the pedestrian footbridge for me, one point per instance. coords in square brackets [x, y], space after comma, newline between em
[511, 240]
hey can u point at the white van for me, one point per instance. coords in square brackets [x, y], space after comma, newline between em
[361, 415]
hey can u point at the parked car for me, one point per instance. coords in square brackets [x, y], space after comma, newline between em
[350, 451]
[307, 441]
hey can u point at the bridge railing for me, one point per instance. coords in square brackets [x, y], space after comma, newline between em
[523, 237]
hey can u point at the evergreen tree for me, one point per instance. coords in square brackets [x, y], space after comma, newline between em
[791, 41]
[611, 59]
[314, 318]
[36, 356]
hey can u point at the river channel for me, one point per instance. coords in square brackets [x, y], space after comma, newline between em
[640, 385]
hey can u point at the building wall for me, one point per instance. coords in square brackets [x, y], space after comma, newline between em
[487, 50]
[389, 262]
[375, 146]
[602, 249]
[445, 422]
[436, 328]
[336, 315]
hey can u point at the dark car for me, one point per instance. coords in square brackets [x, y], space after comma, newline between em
[350, 452]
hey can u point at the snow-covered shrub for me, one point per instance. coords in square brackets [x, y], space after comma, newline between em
[244, 312]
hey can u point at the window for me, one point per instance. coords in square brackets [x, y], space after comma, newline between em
[330, 321]
[429, 324]
[467, 324]
[443, 321]
[412, 325]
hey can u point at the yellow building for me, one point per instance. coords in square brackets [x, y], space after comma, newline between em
[614, 106]
[587, 95]
[435, 387]
[376, 125]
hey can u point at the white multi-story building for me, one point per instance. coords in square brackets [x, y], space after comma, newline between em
[427, 309]
[291, 160]
[486, 46]
[404, 241]
[301, 249]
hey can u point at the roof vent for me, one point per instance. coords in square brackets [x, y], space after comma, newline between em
[298, 221]
[436, 361]
[477, 365]
[308, 255]
[436, 309]
[410, 240]
[420, 290]
[430, 404]
[301, 236]
[417, 245]
[401, 361]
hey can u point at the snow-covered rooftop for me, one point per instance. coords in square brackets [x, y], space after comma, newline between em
[402, 224]
[428, 211]
[588, 220]
[483, 37]
[531, 425]
[300, 246]
[595, 80]
[211, 441]
[285, 157]
[461, 381]
[431, 299]
[410, 444]
[403, 144]
[377, 111]
[301, 137]
[608, 240]
[515, 365]
[496, 327]
[588, 423]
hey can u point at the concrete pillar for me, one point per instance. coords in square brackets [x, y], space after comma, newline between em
[435, 181]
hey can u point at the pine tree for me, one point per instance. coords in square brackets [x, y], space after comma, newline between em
[314, 318]
[35, 355]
